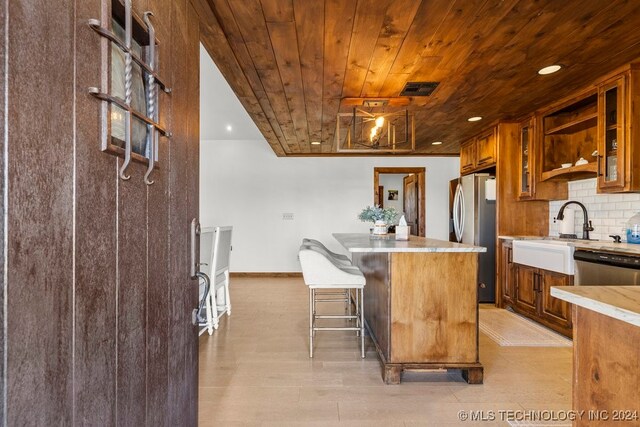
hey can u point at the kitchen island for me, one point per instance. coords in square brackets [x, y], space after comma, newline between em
[420, 303]
[606, 357]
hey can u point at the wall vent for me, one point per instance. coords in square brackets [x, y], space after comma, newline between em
[419, 88]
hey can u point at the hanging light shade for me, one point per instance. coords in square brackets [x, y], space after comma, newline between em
[375, 132]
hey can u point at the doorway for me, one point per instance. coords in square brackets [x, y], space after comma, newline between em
[404, 189]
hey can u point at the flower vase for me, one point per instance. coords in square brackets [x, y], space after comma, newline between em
[379, 228]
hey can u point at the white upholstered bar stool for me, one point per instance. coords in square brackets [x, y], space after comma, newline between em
[339, 259]
[321, 272]
[342, 259]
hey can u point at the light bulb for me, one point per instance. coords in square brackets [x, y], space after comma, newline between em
[379, 121]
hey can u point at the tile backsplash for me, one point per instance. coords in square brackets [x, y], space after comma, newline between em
[609, 213]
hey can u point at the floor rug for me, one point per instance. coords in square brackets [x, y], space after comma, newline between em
[510, 329]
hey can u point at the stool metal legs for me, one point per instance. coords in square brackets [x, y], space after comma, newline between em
[358, 316]
[311, 315]
[361, 319]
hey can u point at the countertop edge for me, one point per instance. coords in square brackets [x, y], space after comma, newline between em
[564, 293]
[360, 243]
[414, 250]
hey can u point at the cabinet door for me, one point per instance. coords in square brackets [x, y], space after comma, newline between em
[551, 308]
[467, 157]
[506, 274]
[526, 288]
[525, 154]
[486, 146]
[612, 142]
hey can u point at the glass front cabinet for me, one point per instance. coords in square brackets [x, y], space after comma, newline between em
[612, 128]
[525, 156]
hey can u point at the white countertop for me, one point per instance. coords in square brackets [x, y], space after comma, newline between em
[364, 243]
[619, 302]
[593, 245]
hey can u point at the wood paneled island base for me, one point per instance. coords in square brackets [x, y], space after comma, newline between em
[420, 306]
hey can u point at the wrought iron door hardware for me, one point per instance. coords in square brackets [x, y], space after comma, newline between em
[148, 69]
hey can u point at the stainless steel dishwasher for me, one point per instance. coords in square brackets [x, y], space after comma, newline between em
[603, 268]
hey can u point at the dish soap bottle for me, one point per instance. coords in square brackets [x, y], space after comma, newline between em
[633, 229]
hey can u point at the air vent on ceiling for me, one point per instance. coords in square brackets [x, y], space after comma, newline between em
[419, 88]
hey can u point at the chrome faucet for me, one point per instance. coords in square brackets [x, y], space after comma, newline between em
[586, 227]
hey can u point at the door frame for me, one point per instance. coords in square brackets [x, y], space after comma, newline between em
[421, 178]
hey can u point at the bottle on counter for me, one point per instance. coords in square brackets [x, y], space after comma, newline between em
[633, 229]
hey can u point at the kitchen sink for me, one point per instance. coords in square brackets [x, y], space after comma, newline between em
[554, 255]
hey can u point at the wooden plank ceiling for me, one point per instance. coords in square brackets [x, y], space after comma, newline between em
[293, 63]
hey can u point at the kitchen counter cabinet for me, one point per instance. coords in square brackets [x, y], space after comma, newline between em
[553, 309]
[506, 278]
[526, 298]
[533, 297]
[420, 303]
[606, 360]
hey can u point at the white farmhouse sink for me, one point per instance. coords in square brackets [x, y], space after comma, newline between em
[551, 255]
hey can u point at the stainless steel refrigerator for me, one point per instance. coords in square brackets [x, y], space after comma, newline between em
[472, 220]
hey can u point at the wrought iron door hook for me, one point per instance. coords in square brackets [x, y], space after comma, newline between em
[151, 98]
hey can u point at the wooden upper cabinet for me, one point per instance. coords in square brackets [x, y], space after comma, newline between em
[618, 122]
[479, 152]
[467, 157]
[525, 157]
[569, 135]
[486, 149]
[611, 134]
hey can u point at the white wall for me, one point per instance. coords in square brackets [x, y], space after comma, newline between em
[393, 181]
[243, 184]
[608, 212]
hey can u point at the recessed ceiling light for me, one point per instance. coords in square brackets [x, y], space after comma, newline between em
[549, 70]
[437, 143]
[315, 143]
[474, 119]
[229, 128]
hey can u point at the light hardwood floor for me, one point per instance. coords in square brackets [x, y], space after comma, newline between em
[255, 370]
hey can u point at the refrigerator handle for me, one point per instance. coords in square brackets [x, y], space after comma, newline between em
[462, 214]
[457, 213]
[456, 205]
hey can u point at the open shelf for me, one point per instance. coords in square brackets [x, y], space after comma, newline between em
[576, 125]
[574, 172]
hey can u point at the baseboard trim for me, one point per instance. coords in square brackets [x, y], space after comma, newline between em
[265, 274]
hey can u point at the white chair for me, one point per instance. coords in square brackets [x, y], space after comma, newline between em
[338, 257]
[215, 252]
[321, 272]
[342, 260]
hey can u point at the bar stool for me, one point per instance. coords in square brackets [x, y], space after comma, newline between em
[321, 272]
[340, 259]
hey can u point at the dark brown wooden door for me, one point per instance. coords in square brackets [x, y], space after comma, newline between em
[98, 289]
[526, 288]
[553, 309]
[410, 203]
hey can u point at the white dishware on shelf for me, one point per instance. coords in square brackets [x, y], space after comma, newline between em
[595, 153]
[566, 165]
[582, 161]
